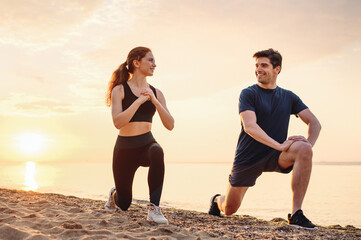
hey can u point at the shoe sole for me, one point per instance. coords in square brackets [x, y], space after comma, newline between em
[151, 220]
[110, 209]
[298, 226]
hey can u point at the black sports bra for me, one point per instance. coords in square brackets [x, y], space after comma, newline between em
[145, 112]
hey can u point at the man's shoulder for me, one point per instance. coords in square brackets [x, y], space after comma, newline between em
[286, 91]
[250, 89]
[289, 95]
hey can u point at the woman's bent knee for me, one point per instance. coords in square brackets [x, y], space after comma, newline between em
[156, 151]
[156, 154]
[123, 205]
[123, 202]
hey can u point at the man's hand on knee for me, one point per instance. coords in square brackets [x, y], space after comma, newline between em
[299, 138]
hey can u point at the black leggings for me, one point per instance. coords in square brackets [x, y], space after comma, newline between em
[131, 153]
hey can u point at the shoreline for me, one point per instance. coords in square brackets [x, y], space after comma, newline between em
[32, 215]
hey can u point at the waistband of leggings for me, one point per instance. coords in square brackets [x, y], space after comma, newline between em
[126, 142]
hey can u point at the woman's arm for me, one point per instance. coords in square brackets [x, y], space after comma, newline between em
[120, 117]
[161, 106]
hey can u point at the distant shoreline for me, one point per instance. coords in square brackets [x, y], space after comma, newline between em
[28, 215]
[167, 162]
[338, 163]
[314, 163]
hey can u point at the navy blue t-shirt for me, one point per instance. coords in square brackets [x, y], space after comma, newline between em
[273, 108]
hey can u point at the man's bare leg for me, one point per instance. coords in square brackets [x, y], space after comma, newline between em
[300, 156]
[230, 203]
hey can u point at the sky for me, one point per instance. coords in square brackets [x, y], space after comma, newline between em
[57, 58]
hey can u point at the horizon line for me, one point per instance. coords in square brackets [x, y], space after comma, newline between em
[348, 163]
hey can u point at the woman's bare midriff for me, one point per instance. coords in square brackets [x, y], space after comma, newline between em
[135, 128]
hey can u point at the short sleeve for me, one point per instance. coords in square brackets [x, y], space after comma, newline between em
[246, 101]
[297, 104]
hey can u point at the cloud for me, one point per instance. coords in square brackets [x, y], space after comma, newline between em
[196, 44]
[34, 106]
[42, 107]
[37, 21]
[308, 29]
[35, 78]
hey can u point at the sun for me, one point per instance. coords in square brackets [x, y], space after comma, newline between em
[30, 143]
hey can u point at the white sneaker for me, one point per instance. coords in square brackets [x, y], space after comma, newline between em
[155, 214]
[110, 205]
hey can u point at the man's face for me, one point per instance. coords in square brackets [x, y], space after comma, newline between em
[265, 72]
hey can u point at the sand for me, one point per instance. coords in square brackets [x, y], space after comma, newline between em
[38, 216]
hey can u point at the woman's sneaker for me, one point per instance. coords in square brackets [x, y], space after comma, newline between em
[110, 204]
[299, 220]
[155, 214]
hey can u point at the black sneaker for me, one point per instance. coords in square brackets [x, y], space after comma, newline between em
[299, 220]
[213, 209]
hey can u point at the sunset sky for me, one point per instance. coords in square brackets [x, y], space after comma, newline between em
[57, 57]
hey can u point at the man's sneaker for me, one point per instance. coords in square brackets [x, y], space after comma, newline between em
[110, 204]
[155, 214]
[299, 220]
[213, 209]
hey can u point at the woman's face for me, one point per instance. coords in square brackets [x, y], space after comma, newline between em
[147, 64]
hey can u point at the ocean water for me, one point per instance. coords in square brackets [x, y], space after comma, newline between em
[333, 196]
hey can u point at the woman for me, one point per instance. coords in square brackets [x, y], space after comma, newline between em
[133, 103]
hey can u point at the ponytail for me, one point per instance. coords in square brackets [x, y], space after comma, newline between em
[124, 71]
[119, 76]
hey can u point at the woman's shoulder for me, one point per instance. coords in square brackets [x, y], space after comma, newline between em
[119, 89]
[155, 90]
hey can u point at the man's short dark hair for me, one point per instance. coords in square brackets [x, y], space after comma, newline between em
[273, 55]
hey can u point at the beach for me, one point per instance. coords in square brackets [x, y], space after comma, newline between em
[270, 198]
[38, 216]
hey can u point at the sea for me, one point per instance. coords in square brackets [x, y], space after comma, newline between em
[333, 196]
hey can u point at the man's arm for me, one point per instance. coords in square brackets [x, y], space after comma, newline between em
[251, 127]
[314, 126]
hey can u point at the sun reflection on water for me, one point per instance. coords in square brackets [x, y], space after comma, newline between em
[30, 183]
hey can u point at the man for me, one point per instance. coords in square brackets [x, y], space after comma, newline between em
[263, 146]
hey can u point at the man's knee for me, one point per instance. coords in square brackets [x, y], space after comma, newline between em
[230, 209]
[303, 150]
[233, 199]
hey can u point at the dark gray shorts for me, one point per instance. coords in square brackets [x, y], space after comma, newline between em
[246, 175]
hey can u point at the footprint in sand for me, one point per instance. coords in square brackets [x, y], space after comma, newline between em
[31, 216]
[71, 225]
[103, 223]
[75, 210]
